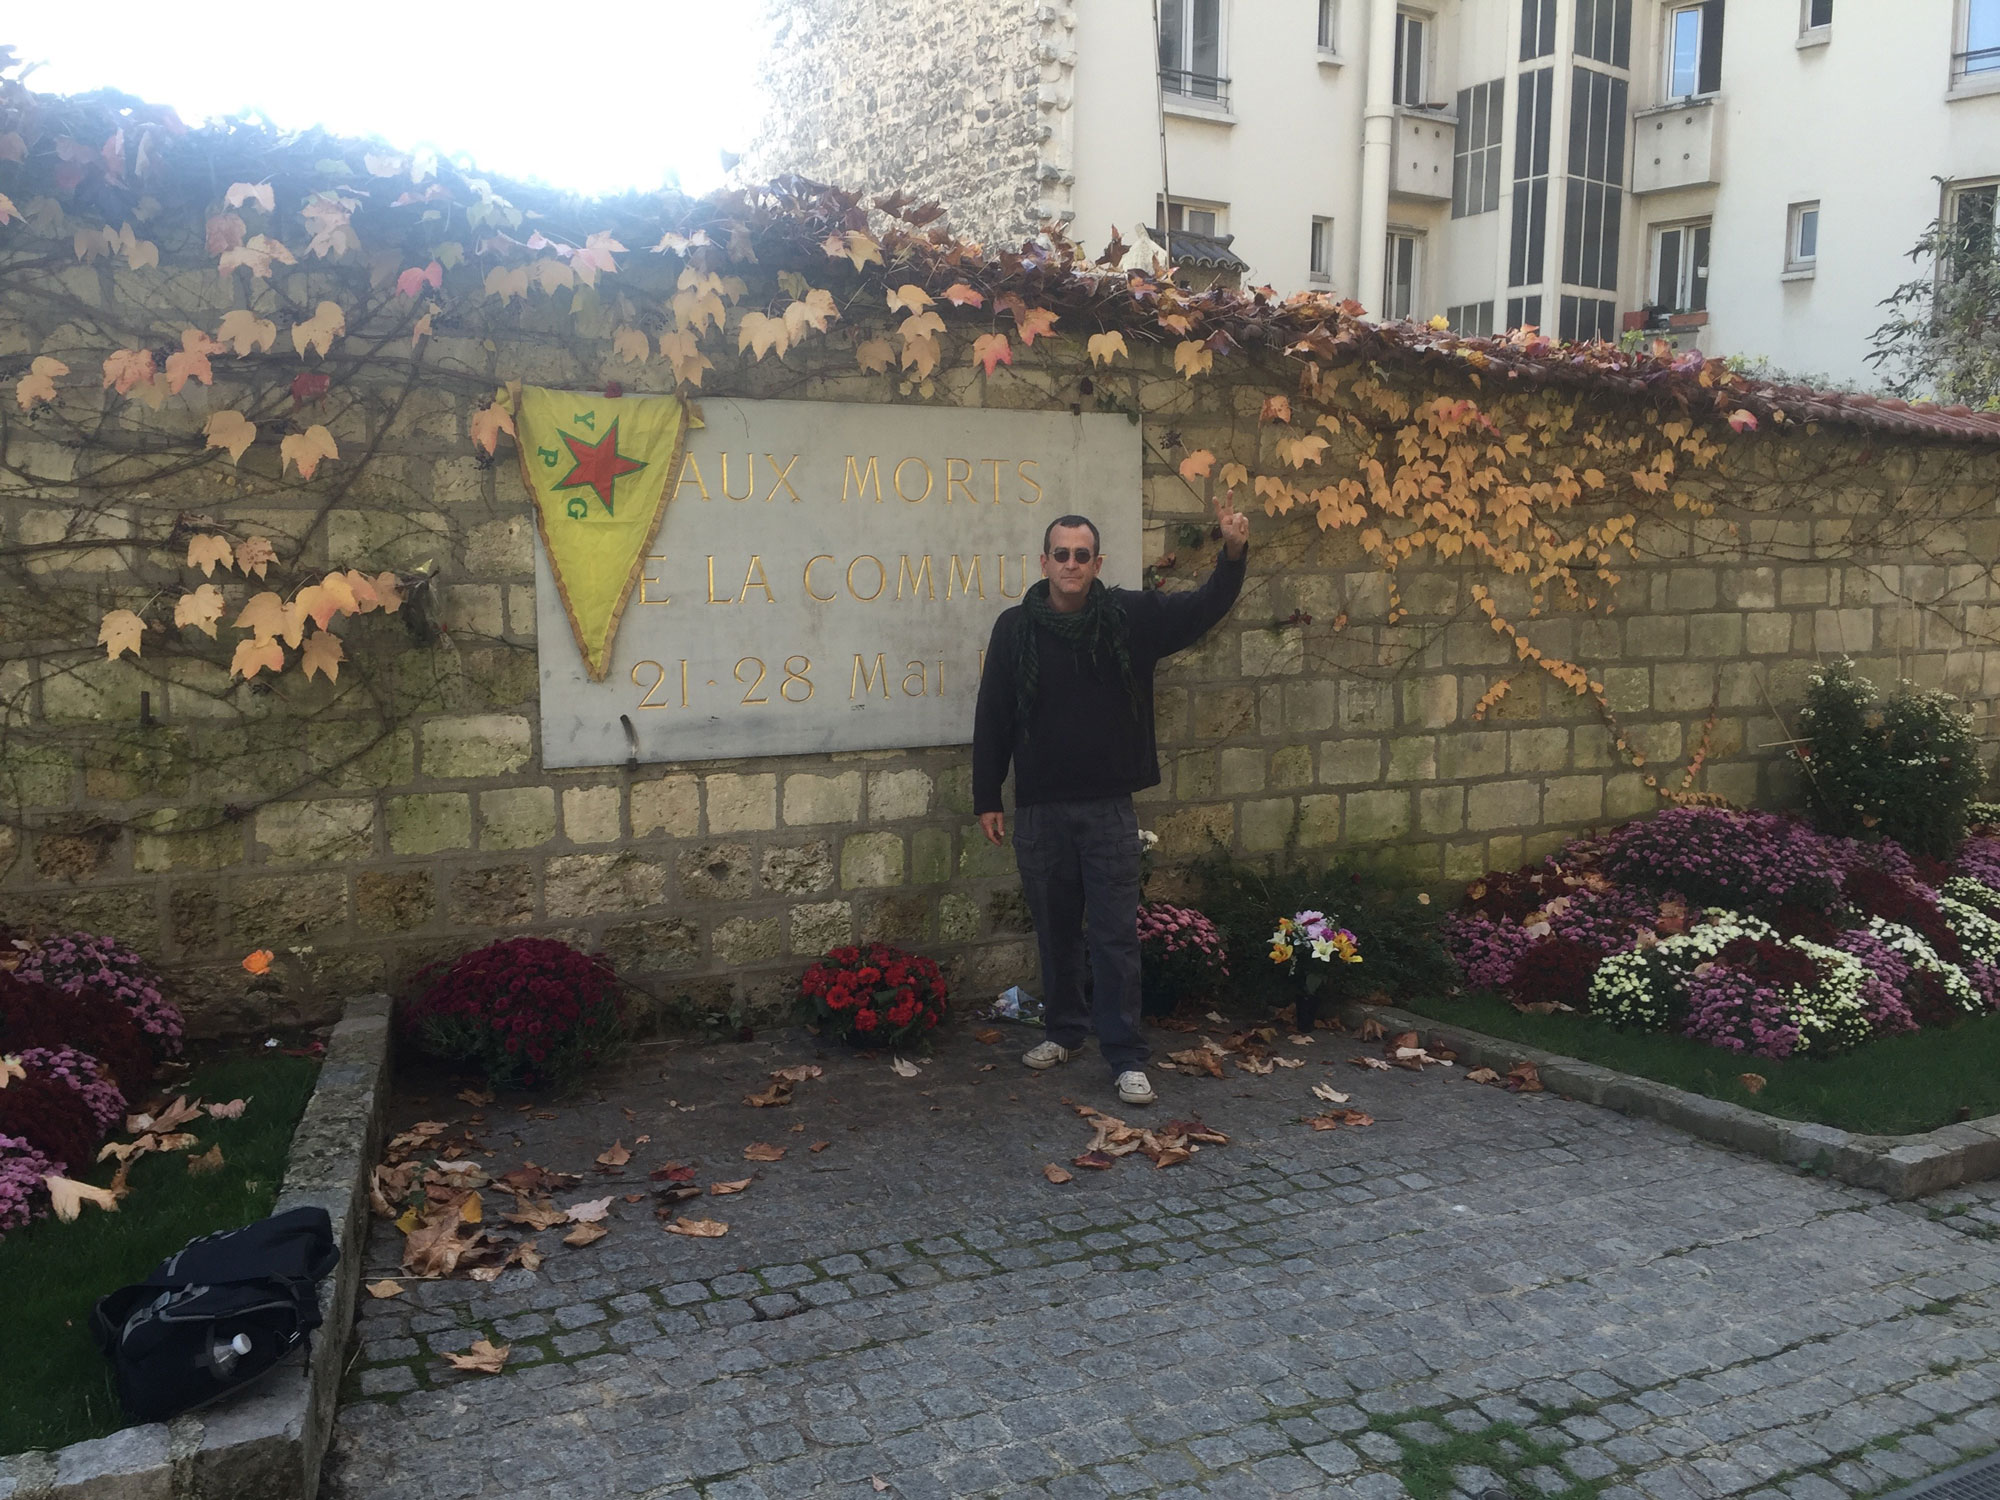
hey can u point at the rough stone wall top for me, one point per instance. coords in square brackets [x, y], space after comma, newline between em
[939, 99]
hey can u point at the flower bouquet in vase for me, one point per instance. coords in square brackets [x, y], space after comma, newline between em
[1309, 944]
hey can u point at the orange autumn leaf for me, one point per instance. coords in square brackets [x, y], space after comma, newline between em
[254, 656]
[991, 349]
[191, 362]
[39, 384]
[119, 632]
[201, 609]
[126, 368]
[307, 448]
[258, 962]
[322, 653]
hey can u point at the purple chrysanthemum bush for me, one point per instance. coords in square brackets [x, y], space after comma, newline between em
[1747, 931]
[82, 1023]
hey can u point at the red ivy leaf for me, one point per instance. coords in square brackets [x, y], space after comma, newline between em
[309, 387]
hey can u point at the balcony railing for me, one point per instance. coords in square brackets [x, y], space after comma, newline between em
[1204, 87]
[1979, 60]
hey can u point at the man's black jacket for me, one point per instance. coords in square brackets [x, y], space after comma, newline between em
[1083, 739]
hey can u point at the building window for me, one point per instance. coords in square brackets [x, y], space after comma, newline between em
[1604, 31]
[1531, 176]
[1801, 236]
[1412, 57]
[1584, 318]
[1818, 15]
[1470, 319]
[1475, 150]
[1596, 188]
[1680, 268]
[1191, 49]
[1981, 52]
[1329, 25]
[1538, 28]
[1694, 49]
[1524, 312]
[1319, 263]
[1970, 212]
[1403, 263]
[1185, 217]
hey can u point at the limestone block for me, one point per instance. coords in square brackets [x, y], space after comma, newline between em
[476, 745]
[898, 794]
[819, 926]
[375, 539]
[428, 822]
[1656, 635]
[1373, 817]
[1366, 704]
[519, 817]
[459, 481]
[799, 871]
[1194, 774]
[1537, 749]
[501, 549]
[1310, 705]
[671, 805]
[1192, 830]
[492, 895]
[1568, 800]
[1241, 769]
[1684, 686]
[747, 940]
[1430, 702]
[1802, 585]
[715, 872]
[1711, 636]
[1273, 651]
[871, 860]
[586, 885]
[1767, 634]
[979, 859]
[1441, 809]
[1355, 762]
[286, 909]
[1265, 824]
[592, 814]
[954, 789]
[393, 900]
[813, 799]
[1223, 713]
[742, 803]
[640, 947]
[1691, 588]
[1469, 753]
[1413, 758]
[1626, 795]
[958, 918]
[319, 832]
[930, 856]
[1291, 767]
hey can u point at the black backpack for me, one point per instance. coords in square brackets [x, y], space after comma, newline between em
[217, 1314]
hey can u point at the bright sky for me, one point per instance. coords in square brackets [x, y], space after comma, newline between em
[590, 98]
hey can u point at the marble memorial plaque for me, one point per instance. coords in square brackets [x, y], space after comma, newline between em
[827, 577]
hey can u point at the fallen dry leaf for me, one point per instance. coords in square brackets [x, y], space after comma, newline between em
[780, 1092]
[800, 1072]
[1198, 1060]
[233, 1110]
[1541, 1007]
[672, 1171]
[1333, 1119]
[700, 1229]
[1375, 1063]
[1300, 1039]
[724, 1189]
[1482, 1075]
[1258, 1066]
[763, 1151]
[384, 1289]
[679, 1193]
[1329, 1093]
[588, 1233]
[614, 1156]
[1752, 1082]
[67, 1198]
[538, 1214]
[484, 1357]
[209, 1161]
[589, 1211]
[475, 1097]
[881, 1485]
[532, 1181]
[987, 1038]
[1371, 1029]
[905, 1068]
[436, 1248]
[1056, 1174]
[1095, 1160]
[819, 1146]
[1289, 1062]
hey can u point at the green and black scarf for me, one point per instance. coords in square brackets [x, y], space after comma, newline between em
[1098, 627]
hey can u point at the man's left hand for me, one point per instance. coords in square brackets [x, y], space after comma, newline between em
[1235, 525]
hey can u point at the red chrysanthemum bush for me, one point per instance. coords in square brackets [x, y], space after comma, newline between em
[33, 1014]
[53, 1118]
[875, 996]
[527, 1012]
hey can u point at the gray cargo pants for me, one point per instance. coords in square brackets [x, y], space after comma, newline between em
[1079, 866]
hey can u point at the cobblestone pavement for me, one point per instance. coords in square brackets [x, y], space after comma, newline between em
[1481, 1287]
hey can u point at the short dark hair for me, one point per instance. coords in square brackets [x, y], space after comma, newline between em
[1095, 544]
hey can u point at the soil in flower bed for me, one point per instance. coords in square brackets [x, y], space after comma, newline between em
[55, 1387]
[1895, 1085]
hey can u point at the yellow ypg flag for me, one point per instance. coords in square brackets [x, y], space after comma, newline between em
[600, 468]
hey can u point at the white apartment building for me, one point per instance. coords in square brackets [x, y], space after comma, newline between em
[1746, 175]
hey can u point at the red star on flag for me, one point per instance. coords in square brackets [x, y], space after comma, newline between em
[596, 466]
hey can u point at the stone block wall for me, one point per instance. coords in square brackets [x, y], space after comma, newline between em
[963, 104]
[401, 815]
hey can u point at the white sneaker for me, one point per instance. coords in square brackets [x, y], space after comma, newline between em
[1045, 1055]
[1134, 1089]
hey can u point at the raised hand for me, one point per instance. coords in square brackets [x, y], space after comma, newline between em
[1235, 525]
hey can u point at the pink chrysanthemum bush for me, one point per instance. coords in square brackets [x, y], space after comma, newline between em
[23, 1194]
[1181, 956]
[1748, 931]
[83, 961]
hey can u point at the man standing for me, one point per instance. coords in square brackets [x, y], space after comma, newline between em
[1067, 696]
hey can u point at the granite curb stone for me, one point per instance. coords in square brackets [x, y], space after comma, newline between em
[1898, 1166]
[267, 1442]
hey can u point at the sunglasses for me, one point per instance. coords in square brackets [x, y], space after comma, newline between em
[1081, 554]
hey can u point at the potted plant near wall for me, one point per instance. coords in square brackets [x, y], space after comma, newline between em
[1314, 948]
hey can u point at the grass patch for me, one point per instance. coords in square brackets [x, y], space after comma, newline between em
[1503, 1448]
[55, 1387]
[1895, 1086]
